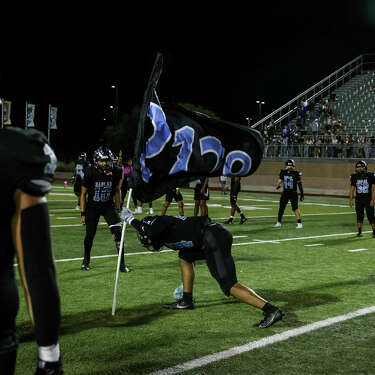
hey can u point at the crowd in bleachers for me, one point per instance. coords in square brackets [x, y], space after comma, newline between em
[317, 132]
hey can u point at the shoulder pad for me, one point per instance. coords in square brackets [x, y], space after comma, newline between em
[27, 159]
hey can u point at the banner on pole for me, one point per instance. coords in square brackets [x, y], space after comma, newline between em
[52, 118]
[175, 146]
[30, 115]
[7, 105]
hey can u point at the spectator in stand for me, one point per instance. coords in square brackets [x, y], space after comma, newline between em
[372, 148]
[302, 112]
[366, 148]
[315, 127]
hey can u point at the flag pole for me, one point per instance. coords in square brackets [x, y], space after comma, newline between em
[119, 256]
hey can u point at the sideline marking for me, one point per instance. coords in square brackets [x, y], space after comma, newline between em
[356, 250]
[314, 244]
[205, 360]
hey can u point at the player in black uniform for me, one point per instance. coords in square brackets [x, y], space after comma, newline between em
[27, 165]
[201, 196]
[290, 178]
[363, 184]
[198, 237]
[175, 194]
[235, 188]
[79, 173]
[101, 184]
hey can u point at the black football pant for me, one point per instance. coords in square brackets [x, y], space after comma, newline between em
[284, 199]
[93, 213]
[216, 250]
[360, 207]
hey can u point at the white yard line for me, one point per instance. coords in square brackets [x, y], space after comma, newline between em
[215, 357]
[315, 244]
[255, 242]
[356, 250]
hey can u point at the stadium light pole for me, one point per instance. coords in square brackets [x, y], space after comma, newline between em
[260, 103]
[248, 120]
[115, 108]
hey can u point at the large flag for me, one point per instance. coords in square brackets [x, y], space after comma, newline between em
[30, 114]
[175, 146]
[52, 118]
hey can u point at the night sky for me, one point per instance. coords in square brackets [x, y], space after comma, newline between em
[220, 56]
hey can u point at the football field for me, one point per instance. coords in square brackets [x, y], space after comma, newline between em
[322, 276]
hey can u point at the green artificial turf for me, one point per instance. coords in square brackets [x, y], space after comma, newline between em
[311, 283]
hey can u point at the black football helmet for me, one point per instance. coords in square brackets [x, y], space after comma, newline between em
[82, 157]
[290, 163]
[361, 166]
[103, 159]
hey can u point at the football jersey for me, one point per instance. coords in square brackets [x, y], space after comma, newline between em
[363, 184]
[27, 163]
[290, 179]
[175, 232]
[80, 169]
[101, 187]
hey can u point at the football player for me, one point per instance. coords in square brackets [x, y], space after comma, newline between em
[197, 238]
[201, 196]
[101, 184]
[27, 165]
[363, 184]
[290, 178]
[175, 194]
[79, 172]
[235, 188]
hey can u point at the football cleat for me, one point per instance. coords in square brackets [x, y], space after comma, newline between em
[277, 225]
[123, 268]
[299, 226]
[85, 267]
[49, 368]
[179, 305]
[270, 318]
[243, 219]
[229, 221]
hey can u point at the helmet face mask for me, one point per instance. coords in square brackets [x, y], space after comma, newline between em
[103, 160]
[145, 241]
[290, 164]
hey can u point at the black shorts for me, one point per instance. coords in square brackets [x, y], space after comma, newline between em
[198, 196]
[362, 205]
[173, 195]
[292, 197]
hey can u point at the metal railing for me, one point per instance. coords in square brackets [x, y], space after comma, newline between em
[320, 89]
[321, 151]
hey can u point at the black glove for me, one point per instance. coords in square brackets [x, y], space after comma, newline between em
[278, 187]
[302, 197]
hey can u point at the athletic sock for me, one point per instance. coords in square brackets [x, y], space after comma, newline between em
[268, 308]
[187, 297]
[299, 221]
[359, 230]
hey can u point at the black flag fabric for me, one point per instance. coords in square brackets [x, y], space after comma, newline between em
[175, 146]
